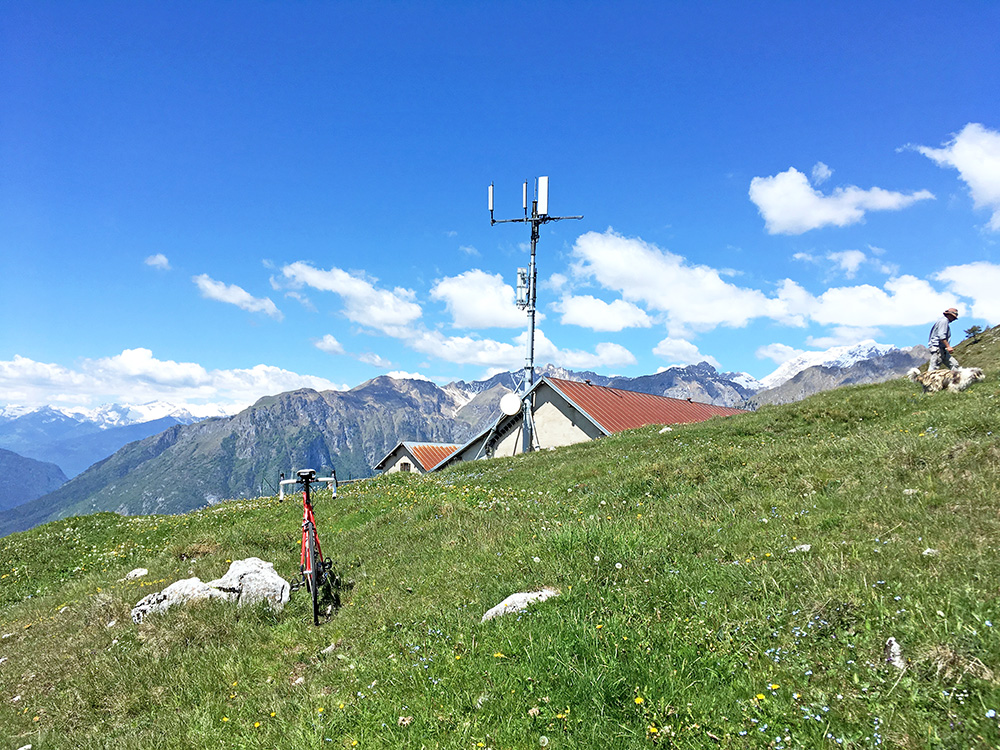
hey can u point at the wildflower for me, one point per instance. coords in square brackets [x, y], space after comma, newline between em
[225, 718]
[534, 711]
[760, 696]
[775, 686]
[319, 710]
[273, 714]
[652, 729]
[638, 700]
[498, 655]
[256, 724]
[543, 741]
[990, 714]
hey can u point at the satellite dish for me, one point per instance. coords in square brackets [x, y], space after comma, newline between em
[510, 404]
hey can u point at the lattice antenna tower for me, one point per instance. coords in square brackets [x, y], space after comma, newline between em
[526, 286]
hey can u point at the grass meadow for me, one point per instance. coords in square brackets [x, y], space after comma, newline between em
[730, 584]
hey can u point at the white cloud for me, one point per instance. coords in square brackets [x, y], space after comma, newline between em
[693, 297]
[598, 315]
[849, 261]
[821, 173]
[158, 261]
[469, 250]
[234, 295]
[376, 360]
[804, 257]
[403, 375]
[136, 376]
[476, 299]
[977, 281]
[364, 304]
[842, 336]
[975, 153]
[904, 300]
[682, 352]
[779, 353]
[330, 345]
[790, 205]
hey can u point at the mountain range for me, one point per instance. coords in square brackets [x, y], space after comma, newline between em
[180, 464]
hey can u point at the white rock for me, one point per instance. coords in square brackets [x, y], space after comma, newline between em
[517, 602]
[184, 591]
[894, 654]
[254, 580]
[930, 552]
[137, 573]
[801, 548]
[24, 747]
[666, 429]
[246, 582]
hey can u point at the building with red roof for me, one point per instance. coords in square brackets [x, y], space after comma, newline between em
[565, 412]
[415, 457]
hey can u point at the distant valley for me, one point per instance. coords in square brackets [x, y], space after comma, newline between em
[175, 463]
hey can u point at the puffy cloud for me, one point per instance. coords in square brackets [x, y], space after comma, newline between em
[842, 336]
[849, 261]
[403, 375]
[375, 360]
[476, 299]
[598, 315]
[975, 153]
[364, 304]
[977, 281]
[330, 345]
[498, 356]
[234, 295]
[682, 352]
[136, 376]
[821, 173]
[779, 353]
[790, 205]
[904, 300]
[158, 261]
[693, 297]
[604, 355]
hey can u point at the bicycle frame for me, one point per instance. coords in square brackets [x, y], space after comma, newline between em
[308, 521]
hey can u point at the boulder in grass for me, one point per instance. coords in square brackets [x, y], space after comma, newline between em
[517, 602]
[253, 580]
[246, 582]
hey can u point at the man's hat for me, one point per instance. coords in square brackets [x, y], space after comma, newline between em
[951, 311]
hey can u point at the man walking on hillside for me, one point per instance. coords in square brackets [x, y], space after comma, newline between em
[940, 343]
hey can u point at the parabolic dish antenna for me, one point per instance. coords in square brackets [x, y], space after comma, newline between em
[510, 404]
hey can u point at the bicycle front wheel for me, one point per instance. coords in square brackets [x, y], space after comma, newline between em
[314, 574]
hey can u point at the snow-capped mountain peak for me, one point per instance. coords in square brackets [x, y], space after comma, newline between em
[838, 356]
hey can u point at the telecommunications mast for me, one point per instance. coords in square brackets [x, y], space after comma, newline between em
[526, 278]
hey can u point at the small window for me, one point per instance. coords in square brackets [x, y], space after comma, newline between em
[404, 466]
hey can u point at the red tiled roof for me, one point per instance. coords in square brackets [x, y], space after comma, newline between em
[615, 410]
[431, 454]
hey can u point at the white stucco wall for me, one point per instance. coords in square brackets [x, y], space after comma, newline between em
[396, 463]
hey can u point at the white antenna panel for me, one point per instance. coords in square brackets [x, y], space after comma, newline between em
[543, 196]
[510, 404]
[524, 195]
[491, 197]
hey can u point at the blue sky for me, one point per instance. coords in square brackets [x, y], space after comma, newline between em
[208, 202]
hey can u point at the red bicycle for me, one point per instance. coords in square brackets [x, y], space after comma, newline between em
[316, 570]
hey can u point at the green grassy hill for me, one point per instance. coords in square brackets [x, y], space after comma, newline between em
[684, 617]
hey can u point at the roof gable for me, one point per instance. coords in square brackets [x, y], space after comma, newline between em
[425, 455]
